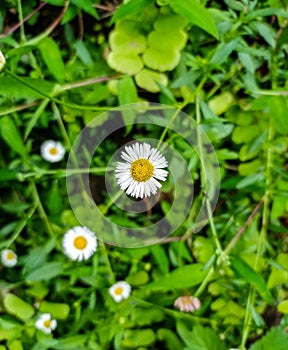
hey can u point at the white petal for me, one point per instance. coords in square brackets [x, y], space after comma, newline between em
[146, 150]
[53, 324]
[160, 174]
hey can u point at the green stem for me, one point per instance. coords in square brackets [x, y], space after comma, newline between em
[164, 132]
[220, 251]
[41, 210]
[19, 228]
[204, 283]
[111, 202]
[262, 236]
[64, 172]
[20, 17]
[107, 261]
[52, 98]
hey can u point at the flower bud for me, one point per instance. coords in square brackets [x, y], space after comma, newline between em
[187, 303]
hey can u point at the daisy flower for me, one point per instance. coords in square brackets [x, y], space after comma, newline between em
[187, 303]
[120, 290]
[52, 151]
[143, 167]
[79, 243]
[8, 258]
[45, 324]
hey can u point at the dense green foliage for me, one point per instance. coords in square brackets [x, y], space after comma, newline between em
[224, 64]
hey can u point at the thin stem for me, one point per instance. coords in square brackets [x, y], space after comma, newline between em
[19, 24]
[19, 228]
[204, 283]
[107, 261]
[41, 210]
[164, 132]
[52, 98]
[4, 111]
[50, 29]
[63, 130]
[65, 172]
[220, 251]
[20, 13]
[88, 82]
[262, 236]
[111, 202]
[242, 229]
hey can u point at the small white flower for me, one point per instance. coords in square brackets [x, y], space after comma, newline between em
[2, 61]
[52, 151]
[8, 258]
[45, 324]
[143, 166]
[79, 243]
[120, 290]
[187, 303]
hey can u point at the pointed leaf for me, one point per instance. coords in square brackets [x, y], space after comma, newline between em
[52, 57]
[183, 277]
[196, 14]
[251, 276]
[11, 136]
[130, 8]
[45, 272]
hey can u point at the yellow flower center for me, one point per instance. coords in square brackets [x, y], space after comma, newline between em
[118, 290]
[53, 151]
[10, 256]
[47, 323]
[186, 300]
[80, 242]
[141, 170]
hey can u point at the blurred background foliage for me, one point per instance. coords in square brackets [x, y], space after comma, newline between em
[222, 63]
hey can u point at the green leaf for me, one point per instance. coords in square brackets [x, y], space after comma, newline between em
[196, 14]
[83, 53]
[70, 343]
[223, 51]
[27, 88]
[11, 136]
[278, 106]
[52, 57]
[251, 276]
[183, 277]
[138, 279]
[283, 307]
[55, 2]
[170, 339]
[200, 338]
[87, 6]
[146, 316]
[127, 91]
[54, 199]
[276, 338]
[15, 345]
[132, 339]
[267, 12]
[130, 8]
[9, 175]
[17, 307]
[247, 62]
[57, 310]
[167, 95]
[161, 258]
[46, 272]
[279, 273]
[266, 32]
